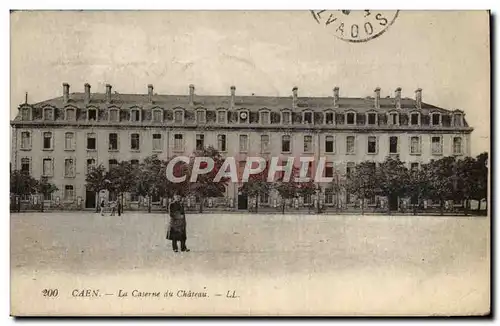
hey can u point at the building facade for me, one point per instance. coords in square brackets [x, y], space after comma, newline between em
[62, 137]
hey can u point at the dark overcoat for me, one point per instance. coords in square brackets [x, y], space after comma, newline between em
[177, 227]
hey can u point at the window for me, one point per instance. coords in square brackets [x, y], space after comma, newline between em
[157, 142]
[414, 166]
[134, 197]
[372, 145]
[90, 164]
[286, 117]
[436, 145]
[458, 120]
[308, 117]
[329, 170]
[415, 145]
[135, 142]
[69, 167]
[200, 116]
[47, 140]
[70, 114]
[179, 116]
[25, 165]
[436, 119]
[221, 143]
[350, 145]
[221, 116]
[264, 117]
[91, 142]
[457, 145]
[200, 142]
[114, 115]
[25, 114]
[69, 141]
[25, 140]
[158, 115]
[243, 143]
[349, 169]
[372, 118]
[264, 143]
[308, 144]
[415, 119]
[351, 118]
[285, 143]
[330, 118]
[113, 142]
[48, 167]
[92, 114]
[393, 145]
[135, 115]
[68, 193]
[264, 198]
[112, 164]
[134, 163]
[329, 196]
[48, 114]
[394, 119]
[178, 142]
[329, 144]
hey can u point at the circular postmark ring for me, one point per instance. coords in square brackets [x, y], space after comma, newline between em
[356, 25]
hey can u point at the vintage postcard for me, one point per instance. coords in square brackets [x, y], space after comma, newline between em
[250, 163]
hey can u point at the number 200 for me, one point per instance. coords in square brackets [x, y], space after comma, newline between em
[50, 292]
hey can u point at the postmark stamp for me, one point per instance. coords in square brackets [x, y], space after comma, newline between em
[356, 25]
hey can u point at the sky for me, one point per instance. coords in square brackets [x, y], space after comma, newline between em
[446, 53]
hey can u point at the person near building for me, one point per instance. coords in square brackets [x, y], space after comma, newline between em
[177, 226]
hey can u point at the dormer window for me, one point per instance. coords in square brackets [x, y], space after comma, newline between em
[26, 114]
[393, 119]
[351, 118]
[92, 114]
[200, 116]
[70, 114]
[135, 115]
[157, 115]
[307, 117]
[329, 118]
[179, 116]
[436, 119]
[458, 119]
[243, 116]
[372, 118]
[415, 119]
[114, 115]
[265, 117]
[48, 114]
[286, 117]
[221, 116]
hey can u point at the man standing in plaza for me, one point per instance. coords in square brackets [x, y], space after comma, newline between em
[177, 228]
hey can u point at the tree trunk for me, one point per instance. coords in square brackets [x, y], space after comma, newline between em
[283, 207]
[201, 205]
[41, 203]
[478, 206]
[120, 209]
[363, 206]
[97, 202]
[464, 204]
[149, 203]
[257, 203]
[18, 204]
[441, 207]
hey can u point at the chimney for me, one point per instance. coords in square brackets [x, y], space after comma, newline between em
[65, 93]
[86, 99]
[108, 93]
[377, 98]
[191, 94]
[150, 93]
[397, 97]
[418, 97]
[233, 94]
[336, 96]
[295, 90]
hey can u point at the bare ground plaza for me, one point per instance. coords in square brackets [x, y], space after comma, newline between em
[374, 264]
